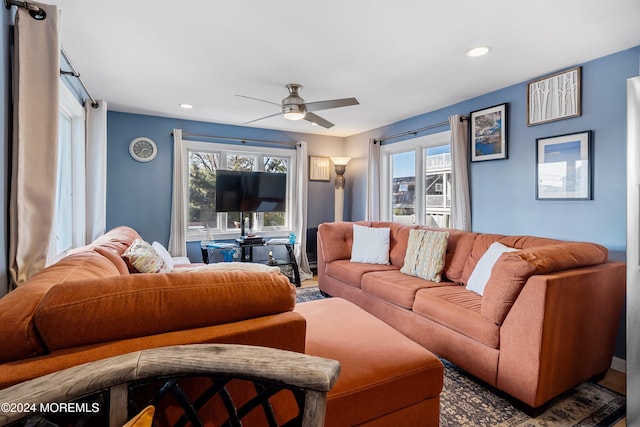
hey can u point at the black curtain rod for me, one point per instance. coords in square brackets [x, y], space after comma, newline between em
[36, 12]
[39, 14]
[74, 73]
[416, 131]
[243, 140]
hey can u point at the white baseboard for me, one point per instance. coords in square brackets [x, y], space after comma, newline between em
[618, 364]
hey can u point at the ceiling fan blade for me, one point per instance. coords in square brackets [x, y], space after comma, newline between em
[333, 103]
[262, 118]
[314, 118]
[261, 100]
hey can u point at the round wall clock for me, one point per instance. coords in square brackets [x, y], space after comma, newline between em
[143, 149]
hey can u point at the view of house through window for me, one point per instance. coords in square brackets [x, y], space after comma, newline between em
[425, 201]
[204, 161]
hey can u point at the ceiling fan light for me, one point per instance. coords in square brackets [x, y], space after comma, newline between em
[294, 115]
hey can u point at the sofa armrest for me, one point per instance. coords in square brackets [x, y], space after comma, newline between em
[560, 331]
[137, 305]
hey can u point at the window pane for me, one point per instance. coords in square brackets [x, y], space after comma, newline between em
[240, 162]
[438, 186]
[63, 223]
[202, 189]
[403, 187]
[275, 165]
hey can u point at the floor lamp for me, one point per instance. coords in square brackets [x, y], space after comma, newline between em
[340, 164]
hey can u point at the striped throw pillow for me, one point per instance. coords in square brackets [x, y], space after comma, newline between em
[425, 255]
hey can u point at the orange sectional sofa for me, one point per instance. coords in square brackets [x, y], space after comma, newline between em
[102, 310]
[546, 321]
[89, 306]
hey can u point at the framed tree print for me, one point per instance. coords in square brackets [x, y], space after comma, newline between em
[554, 97]
[319, 168]
[488, 129]
[564, 167]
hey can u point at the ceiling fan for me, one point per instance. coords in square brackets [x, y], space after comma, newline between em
[294, 108]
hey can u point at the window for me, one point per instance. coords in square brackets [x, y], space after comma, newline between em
[404, 197]
[69, 215]
[204, 160]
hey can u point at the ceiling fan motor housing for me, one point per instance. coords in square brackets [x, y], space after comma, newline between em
[293, 106]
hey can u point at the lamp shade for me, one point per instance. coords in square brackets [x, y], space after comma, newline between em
[340, 161]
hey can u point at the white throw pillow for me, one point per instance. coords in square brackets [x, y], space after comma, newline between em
[370, 245]
[164, 254]
[481, 273]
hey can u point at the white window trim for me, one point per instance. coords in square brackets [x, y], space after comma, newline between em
[69, 105]
[199, 235]
[417, 145]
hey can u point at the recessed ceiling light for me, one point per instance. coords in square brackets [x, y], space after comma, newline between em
[478, 51]
[186, 106]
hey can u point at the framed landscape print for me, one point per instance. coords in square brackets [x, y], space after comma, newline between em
[554, 97]
[489, 133]
[563, 169]
[319, 168]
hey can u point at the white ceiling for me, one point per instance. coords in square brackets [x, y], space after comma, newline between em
[398, 58]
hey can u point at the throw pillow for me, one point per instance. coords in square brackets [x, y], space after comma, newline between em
[164, 254]
[143, 258]
[425, 255]
[143, 419]
[370, 245]
[482, 271]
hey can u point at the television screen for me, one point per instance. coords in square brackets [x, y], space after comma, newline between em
[238, 191]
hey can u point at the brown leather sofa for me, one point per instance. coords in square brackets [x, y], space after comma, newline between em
[547, 319]
[102, 310]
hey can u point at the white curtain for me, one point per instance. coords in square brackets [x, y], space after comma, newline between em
[460, 200]
[373, 182]
[300, 199]
[96, 176]
[36, 77]
[178, 234]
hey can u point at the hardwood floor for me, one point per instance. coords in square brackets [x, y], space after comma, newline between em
[614, 380]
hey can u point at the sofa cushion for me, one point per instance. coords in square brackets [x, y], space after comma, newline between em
[337, 239]
[482, 242]
[395, 287]
[19, 336]
[398, 240]
[351, 272]
[513, 269]
[425, 255]
[143, 258]
[164, 254]
[138, 305]
[370, 245]
[118, 239]
[114, 257]
[458, 309]
[480, 275]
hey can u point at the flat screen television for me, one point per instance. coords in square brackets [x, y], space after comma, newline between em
[239, 191]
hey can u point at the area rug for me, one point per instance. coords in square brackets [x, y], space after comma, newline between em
[465, 401]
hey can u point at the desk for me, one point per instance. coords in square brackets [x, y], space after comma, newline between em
[243, 252]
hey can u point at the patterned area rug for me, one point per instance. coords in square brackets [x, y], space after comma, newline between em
[466, 402]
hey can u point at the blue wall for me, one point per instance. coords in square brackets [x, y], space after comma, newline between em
[503, 191]
[139, 194]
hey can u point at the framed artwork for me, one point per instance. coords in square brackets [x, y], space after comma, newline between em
[554, 97]
[319, 168]
[564, 167]
[489, 133]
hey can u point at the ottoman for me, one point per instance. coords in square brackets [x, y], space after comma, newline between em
[386, 379]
